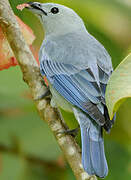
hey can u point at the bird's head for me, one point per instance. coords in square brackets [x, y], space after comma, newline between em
[56, 19]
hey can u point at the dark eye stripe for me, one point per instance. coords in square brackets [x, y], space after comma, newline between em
[54, 10]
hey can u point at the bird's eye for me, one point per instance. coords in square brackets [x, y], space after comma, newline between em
[54, 10]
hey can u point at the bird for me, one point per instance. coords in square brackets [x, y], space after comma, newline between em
[77, 68]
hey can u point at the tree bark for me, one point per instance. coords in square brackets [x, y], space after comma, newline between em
[32, 77]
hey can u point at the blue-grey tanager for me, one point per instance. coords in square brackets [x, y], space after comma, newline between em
[78, 68]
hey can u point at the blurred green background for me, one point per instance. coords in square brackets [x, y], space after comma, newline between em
[28, 150]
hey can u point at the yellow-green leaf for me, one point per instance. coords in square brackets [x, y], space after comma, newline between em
[119, 86]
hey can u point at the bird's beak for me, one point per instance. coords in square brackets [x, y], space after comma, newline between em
[36, 7]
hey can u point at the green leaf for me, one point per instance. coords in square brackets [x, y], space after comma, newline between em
[119, 86]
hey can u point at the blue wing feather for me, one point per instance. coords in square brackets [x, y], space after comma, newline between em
[75, 86]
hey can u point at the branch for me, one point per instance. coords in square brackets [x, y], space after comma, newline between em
[32, 77]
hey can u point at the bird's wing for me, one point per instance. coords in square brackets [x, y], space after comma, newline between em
[79, 87]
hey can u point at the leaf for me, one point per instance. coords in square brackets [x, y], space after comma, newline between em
[7, 57]
[119, 86]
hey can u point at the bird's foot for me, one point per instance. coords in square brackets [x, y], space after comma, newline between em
[72, 132]
[44, 95]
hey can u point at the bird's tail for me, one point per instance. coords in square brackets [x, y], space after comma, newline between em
[93, 155]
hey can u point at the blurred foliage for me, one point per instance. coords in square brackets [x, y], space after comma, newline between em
[28, 150]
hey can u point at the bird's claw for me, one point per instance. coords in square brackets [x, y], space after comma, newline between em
[44, 95]
[72, 132]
